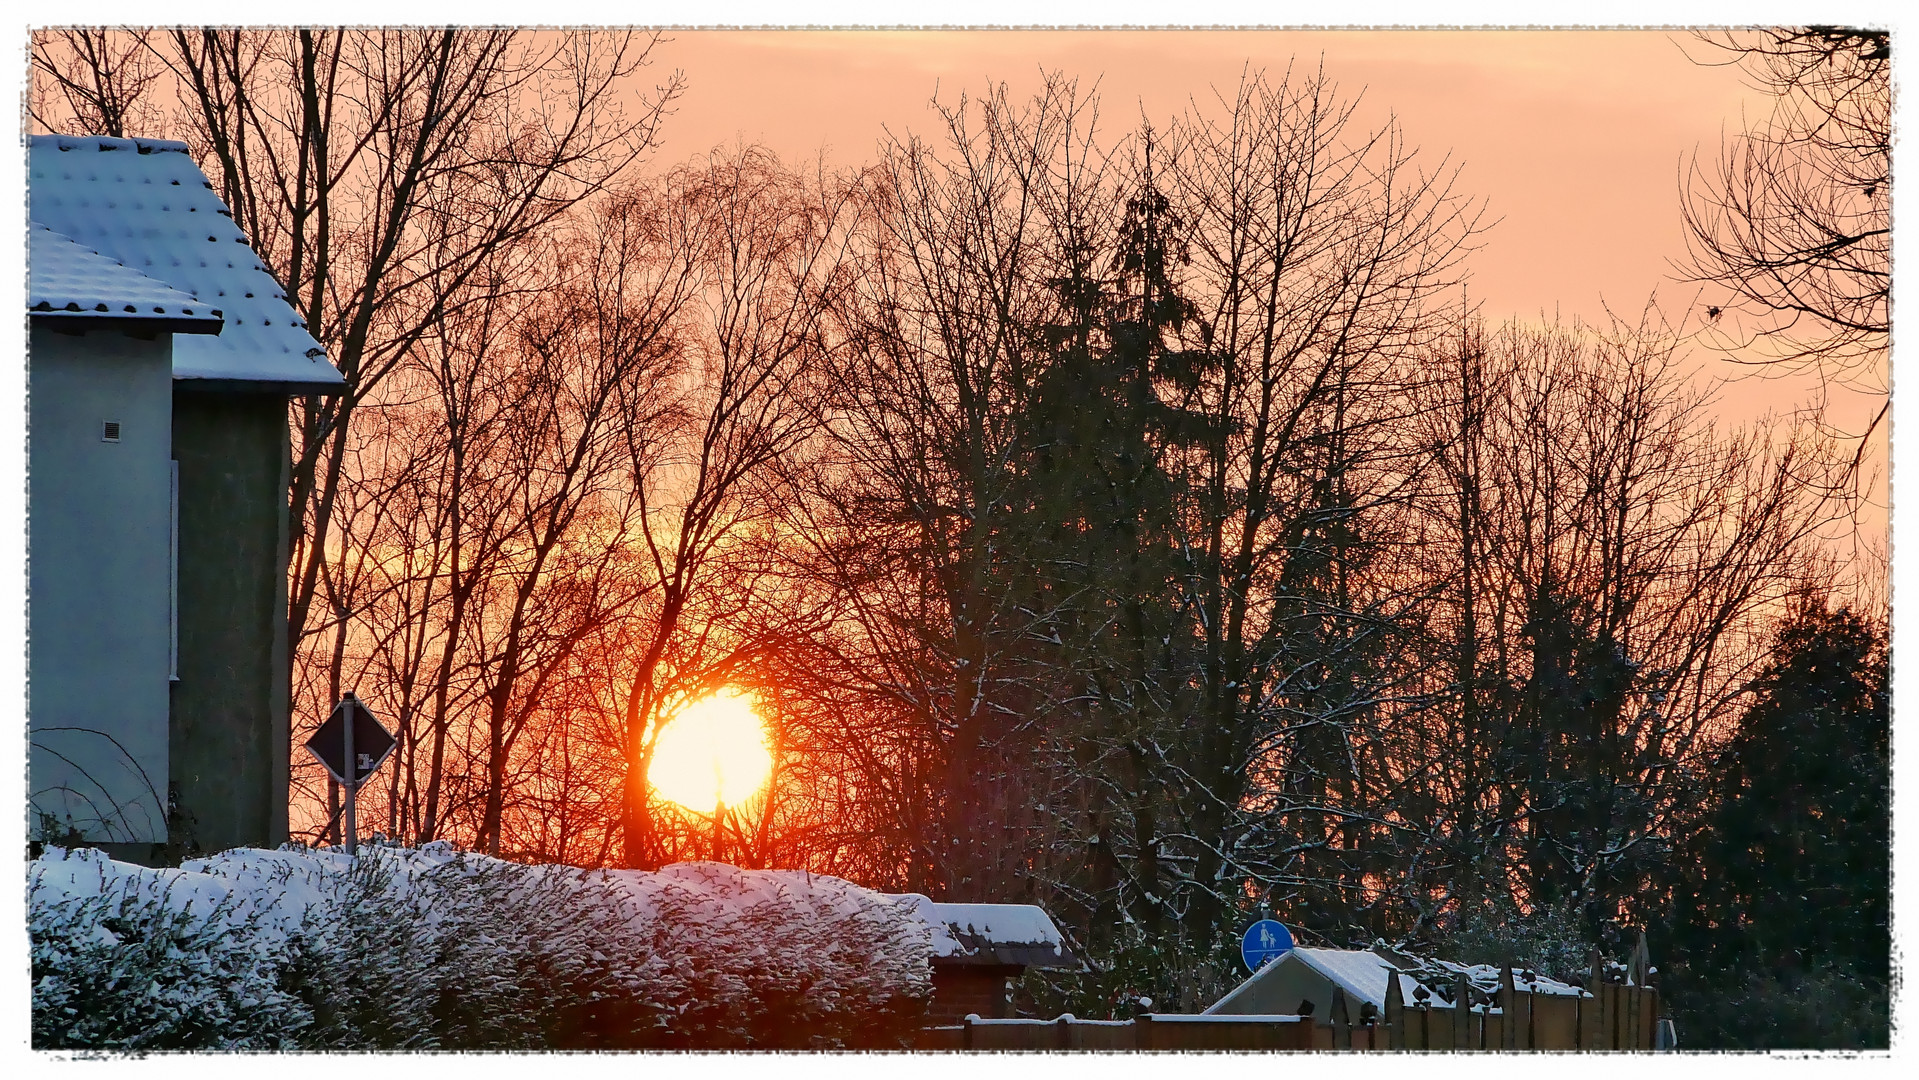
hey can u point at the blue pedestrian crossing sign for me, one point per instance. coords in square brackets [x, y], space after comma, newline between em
[1265, 941]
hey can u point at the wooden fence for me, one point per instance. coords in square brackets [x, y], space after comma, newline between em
[1619, 1016]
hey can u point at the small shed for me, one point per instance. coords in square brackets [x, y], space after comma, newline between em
[1307, 976]
[979, 948]
[1303, 979]
[161, 356]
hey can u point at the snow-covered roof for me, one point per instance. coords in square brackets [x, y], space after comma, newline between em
[1483, 978]
[73, 281]
[1019, 934]
[144, 204]
[1360, 973]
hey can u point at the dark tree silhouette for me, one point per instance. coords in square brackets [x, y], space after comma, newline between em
[1789, 887]
[1792, 223]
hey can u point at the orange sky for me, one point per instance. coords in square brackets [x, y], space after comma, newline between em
[1574, 137]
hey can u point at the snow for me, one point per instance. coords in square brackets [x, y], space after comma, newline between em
[1362, 973]
[713, 954]
[1227, 1018]
[144, 204]
[986, 924]
[66, 277]
[1485, 979]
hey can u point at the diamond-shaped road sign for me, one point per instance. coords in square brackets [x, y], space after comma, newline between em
[371, 742]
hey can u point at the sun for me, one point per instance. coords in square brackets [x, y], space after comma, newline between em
[713, 751]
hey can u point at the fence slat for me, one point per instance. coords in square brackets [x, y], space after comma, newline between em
[1592, 1011]
[1616, 1014]
[1463, 1014]
[1509, 1021]
[1394, 1015]
[1555, 1022]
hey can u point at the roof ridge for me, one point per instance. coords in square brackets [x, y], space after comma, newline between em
[106, 143]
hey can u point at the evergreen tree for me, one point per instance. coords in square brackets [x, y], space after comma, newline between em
[1783, 927]
[1106, 412]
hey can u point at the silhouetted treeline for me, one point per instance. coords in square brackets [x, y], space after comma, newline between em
[1139, 523]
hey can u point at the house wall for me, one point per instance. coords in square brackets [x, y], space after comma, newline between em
[98, 606]
[230, 727]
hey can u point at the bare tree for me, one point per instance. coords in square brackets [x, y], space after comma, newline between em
[1791, 227]
[377, 172]
[917, 499]
[766, 246]
[1606, 580]
[93, 81]
[1037, 735]
[381, 174]
[1322, 258]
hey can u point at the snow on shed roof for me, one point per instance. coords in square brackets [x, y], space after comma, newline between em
[144, 203]
[1359, 972]
[1362, 973]
[1013, 934]
[74, 281]
[1484, 978]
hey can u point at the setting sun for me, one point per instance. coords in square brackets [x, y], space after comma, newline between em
[713, 752]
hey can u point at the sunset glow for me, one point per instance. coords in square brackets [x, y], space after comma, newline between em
[714, 751]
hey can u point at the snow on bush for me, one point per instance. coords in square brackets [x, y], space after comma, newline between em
[431, 948]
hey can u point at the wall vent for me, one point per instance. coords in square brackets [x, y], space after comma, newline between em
[109, 431]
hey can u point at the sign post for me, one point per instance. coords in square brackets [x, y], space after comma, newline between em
[352, 780]
[352, 744]
[1265, 941]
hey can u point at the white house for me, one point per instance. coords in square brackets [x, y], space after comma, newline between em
[161, 354]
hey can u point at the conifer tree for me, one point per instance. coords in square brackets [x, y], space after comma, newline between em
[1790, 886]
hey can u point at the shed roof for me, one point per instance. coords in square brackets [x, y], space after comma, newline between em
[75, 282]
[1483, 978]
[1360, 973]
[144, 204]
[995, 934]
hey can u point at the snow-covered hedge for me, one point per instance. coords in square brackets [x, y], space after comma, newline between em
[433, 948]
